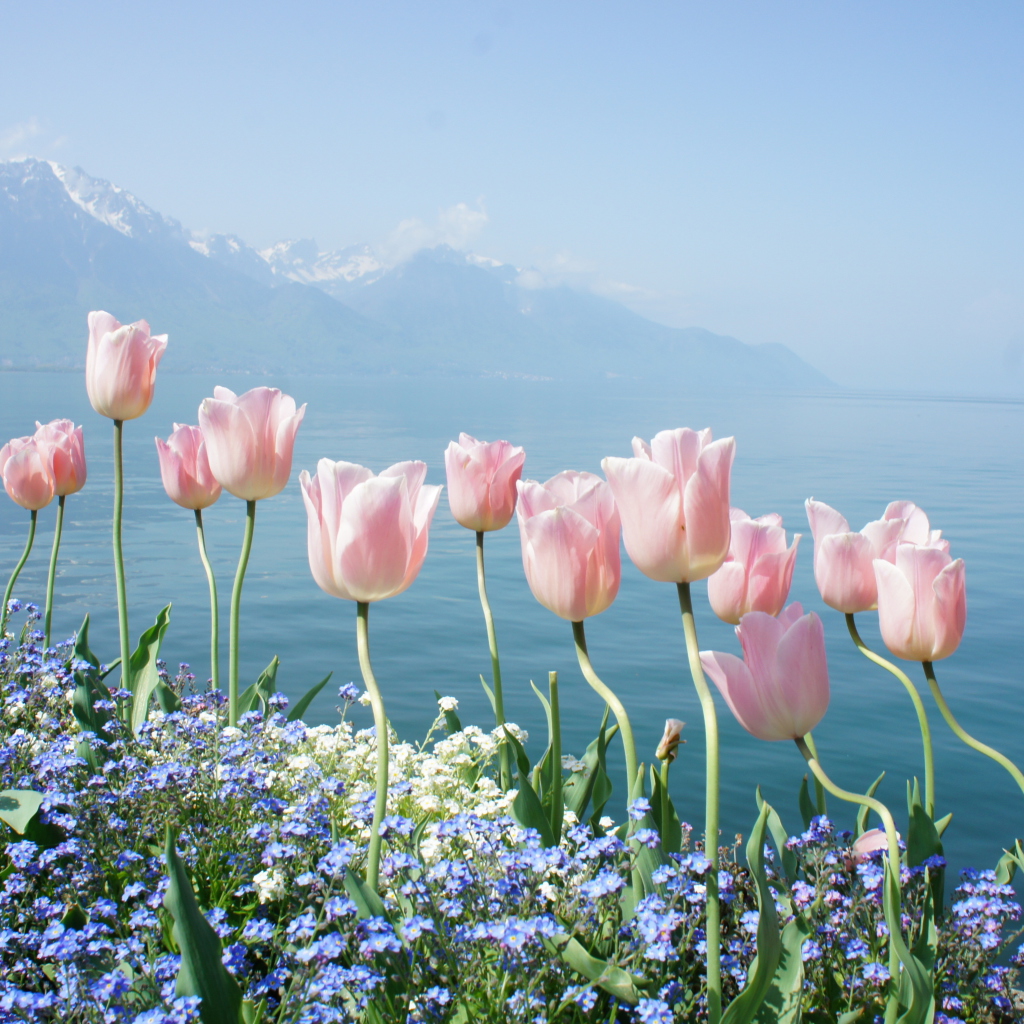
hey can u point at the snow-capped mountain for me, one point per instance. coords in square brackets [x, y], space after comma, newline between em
[70, 243]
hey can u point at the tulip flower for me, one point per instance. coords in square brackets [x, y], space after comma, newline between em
[670, 740]
[779, 690]
[190, 483]
[843, 559]
[120, 375]
[185, 468]
[367, 534]
[916, 528]
[482, 480]
[673, 496]
[249, 440]
[922, 602]
[367, 540]
[26, 472]
[66, 446]
[569, 528]
[869, 842]
[120, 366]
[758, 571]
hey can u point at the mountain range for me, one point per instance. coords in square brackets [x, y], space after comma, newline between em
[70, 243]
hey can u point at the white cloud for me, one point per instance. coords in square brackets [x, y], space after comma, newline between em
[456, 226]
[563, 268]
[13, 139]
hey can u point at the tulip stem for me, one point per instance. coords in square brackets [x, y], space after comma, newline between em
[122, 593]
[922, 714]
[665, 798]
[52, 575]
[380, 723]
[898, 950]
[982, 748]
[707, 704]
[504, 755]
[236, 607]
[17, 571]
[557, 812]
[214, 609]
[819, 789]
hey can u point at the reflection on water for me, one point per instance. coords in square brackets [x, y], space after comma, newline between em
[963, 461]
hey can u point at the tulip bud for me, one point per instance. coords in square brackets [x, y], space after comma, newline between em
[120, 366]
[185, 468]
[67, 454]
[868, 842]
[26, 471]
[670, 740]
[482, 481]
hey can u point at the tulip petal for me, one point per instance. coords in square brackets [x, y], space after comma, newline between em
[743, 695]
[706, 509]
[801, 676]
[373, 544]
[844, 573]
[727, 592]
[556, 550]
[896, 609]
[950, 596]
[824, 519]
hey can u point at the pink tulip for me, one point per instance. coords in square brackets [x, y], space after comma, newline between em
[916, 528]
[779, 691]
[120, 366]
[758, 571]
[673, 496]
[26, 472]
[67, 454]
[868, 843]
[482, 481]
[843, 559]
[185, 468]
[569, 528]
[249, 440]
[367, 534]
[922, 602]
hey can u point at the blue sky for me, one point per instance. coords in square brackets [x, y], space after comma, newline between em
[845, 178]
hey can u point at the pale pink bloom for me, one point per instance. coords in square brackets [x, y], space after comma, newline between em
[868, 842]
[120, 366]
[249, 440]
[916, 528]
[758, 571]
[843, 559]
[67, 454]
[26, 472]
[673, 496]
[670, 740]
[922, 602]
[779, 691]
[482, 481]
[569, 528]
[367, 534]
[185, 468]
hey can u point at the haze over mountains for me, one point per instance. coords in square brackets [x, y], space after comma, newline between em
[70, 243]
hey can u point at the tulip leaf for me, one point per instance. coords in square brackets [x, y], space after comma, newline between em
[769, 945]
[782, 1002]
[671, 831]
[202, 973]
[89, 689]
[526, 807]
[1008, 864]
[614, 980]
[490, 695]
[923, 842]
[18, 807]
[647, 859]
[307, 698]
[807, 808]
[522, 761]
[579, 787]
[145, 676]
[368, 903]
[862, 814]
[943, 823]
[849, 1018]
[252, 1013]
[787, 858]
[261, 691]
[82, 650]
[168, 700]
[920, 989]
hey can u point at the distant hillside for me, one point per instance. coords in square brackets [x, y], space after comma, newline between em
[70, 243]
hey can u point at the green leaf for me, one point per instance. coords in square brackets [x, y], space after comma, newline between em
[862, 814]
[783, 1000]
[82, 651]
[853, 1015]
[252, 1013]
[614, 980]
[1008, 864]
[578, 789]
[368, 903]
[787, 858]
[168, 700]
[522, 761]
[75, 917]
[18, 807]
[144, 673]
[451, 719]
[769, 946]
[923, 842]
[647, 860]
[943, 823]
[807, 808]
[201, 973]
[261, 691]
[526, 807]
[307, 698]
[671, 831]
[490, 695]
[919, 979]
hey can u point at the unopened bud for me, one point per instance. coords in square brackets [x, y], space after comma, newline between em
[670, 740]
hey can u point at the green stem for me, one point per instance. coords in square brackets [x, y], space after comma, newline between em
[557, 813]
[17, 571]
[982, 748]
[214, 608]
[922, 715]
[122, 593]
[236, 607]
[51, 577]
[504, 754]
[665, 799]
[892, 840]
[819, 789]
[707, 704]
[380, 722]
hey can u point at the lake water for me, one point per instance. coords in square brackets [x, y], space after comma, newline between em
[963, 461]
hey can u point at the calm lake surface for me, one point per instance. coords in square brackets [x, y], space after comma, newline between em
[962, 461]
